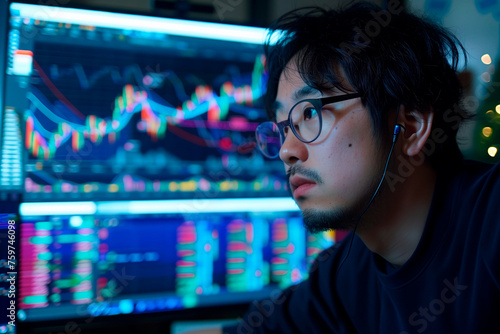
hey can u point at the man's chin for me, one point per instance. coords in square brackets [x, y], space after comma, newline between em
[316, 220]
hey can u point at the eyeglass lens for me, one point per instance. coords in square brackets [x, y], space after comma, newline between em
[307, 126]
[268, 139]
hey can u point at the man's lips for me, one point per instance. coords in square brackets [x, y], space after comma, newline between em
[300, 186]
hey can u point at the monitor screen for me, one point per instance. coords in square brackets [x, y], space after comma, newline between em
[143, 190]
[136, 107]
[113, 259]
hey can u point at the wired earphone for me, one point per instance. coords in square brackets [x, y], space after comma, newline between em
[396, 132]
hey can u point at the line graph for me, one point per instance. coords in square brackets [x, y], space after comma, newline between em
[155, 114]
[132, 122]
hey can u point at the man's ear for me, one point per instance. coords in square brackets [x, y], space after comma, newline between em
[418, 125]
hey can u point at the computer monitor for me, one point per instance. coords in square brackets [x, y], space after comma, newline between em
[143, 190]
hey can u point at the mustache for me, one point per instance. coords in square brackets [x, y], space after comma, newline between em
[308, 173]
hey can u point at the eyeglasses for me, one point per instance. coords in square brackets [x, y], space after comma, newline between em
[306, 119]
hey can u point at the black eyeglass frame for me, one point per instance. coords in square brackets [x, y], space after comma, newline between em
[318, 104]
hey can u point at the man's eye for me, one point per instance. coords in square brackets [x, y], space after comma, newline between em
[309, 113]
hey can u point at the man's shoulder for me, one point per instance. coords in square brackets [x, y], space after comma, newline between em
[480, 209]
[477, 170]
[479, 179]
[477, 198]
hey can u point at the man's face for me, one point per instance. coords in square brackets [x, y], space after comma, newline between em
[332, 180]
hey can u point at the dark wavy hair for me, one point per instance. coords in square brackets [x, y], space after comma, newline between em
[389, 57]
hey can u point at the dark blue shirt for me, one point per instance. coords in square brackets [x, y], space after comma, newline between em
[451, 283]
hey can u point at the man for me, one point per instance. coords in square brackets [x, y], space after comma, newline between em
[365, 104]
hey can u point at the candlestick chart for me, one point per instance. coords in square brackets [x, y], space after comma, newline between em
[98, 125]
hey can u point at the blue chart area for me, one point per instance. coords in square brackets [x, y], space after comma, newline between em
[100, 263]
[102, 123]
